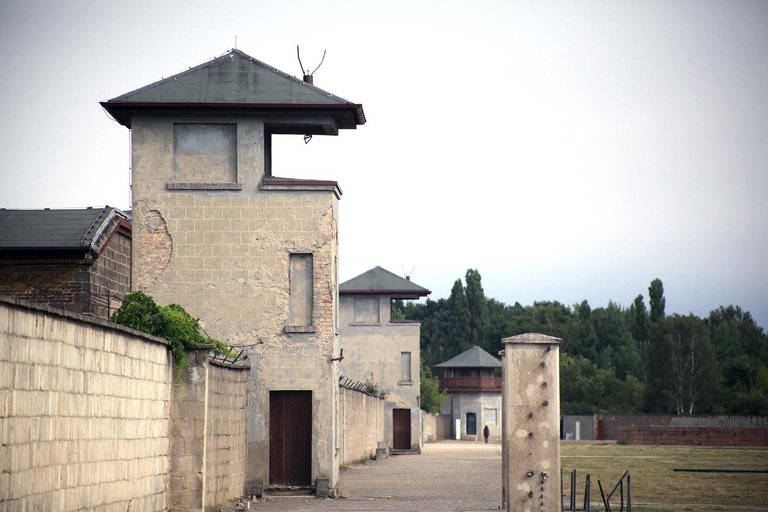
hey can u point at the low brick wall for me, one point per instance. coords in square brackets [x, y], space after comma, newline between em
[693, 436]
[610, 423]
[361, 425]
[84, 410]
[226, 433]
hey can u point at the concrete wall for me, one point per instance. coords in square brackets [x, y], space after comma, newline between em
[482, 404]
[361, 425]
[92, 416]
[531, 430]
[222, 251]
[435, 427]
[84, 413]
[579, 428]
[226, 434]
[372, 354]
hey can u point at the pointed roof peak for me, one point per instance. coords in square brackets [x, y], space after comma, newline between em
[380, 281]
[234, 80]
[474, 357]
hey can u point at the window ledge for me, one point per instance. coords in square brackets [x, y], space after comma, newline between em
[405, 383]
[204, 186]
[300, 329]
[363, 324]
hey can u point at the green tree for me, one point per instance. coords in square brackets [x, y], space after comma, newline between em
[478, 310]
[685, 372]
[658, 302]
[640, 329]
[431, 397]
[458, 327]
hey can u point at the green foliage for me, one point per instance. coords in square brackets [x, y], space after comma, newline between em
[658, 302]
[621, 359]
[171, 322]
[431, 397]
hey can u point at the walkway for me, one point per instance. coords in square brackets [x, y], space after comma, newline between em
[447, 476]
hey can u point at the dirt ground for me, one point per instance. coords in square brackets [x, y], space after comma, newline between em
[447, 476]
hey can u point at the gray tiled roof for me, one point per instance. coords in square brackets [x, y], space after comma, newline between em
[61, 230]
[379, 281]
[475, 357]
[234, 78]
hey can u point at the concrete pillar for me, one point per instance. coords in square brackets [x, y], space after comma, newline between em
[531, 423]
[188, 433]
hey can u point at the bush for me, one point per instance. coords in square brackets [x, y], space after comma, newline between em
[139, 311]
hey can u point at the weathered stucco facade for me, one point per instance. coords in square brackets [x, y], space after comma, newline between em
[254, 257]
[384, 351]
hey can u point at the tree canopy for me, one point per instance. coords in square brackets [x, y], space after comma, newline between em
[614, 359]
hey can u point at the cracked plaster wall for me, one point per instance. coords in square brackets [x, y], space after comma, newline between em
[229, 267]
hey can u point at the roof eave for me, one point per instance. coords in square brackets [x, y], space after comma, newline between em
[395, 294]
[122, 111]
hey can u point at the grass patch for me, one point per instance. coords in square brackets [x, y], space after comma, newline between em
[655, 484]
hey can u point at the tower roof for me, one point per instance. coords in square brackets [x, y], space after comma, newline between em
[234, 81]
[379, 281]
[475, 357]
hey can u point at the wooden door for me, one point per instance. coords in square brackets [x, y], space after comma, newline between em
[471, 424]
[290, 438]
[401, 429]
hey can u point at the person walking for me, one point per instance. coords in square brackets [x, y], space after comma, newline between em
[486, 433]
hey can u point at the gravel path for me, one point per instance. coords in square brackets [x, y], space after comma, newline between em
[447, 476]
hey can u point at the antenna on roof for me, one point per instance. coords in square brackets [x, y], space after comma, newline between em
[235, 42]
[408, 274]
[308, 77]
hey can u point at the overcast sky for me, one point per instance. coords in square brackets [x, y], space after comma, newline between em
[567, 150]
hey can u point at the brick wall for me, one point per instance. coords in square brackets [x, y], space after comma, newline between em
[226, 431]
[83, 413]
[701, 436]
[612, 422]
[110, 278]
[60, 281]
[361, 420]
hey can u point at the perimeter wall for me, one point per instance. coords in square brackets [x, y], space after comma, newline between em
[85, 416]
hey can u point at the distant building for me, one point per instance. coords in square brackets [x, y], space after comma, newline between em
[78, 260]
[475, 393]
[254, 256]
[384, 351]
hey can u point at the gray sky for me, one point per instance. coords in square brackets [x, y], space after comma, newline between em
[567, 150]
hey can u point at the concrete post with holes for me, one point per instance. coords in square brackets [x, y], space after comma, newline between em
[531, 423]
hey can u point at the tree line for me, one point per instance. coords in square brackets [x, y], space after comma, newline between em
[613, 358]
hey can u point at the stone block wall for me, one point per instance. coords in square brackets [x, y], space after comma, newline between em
[222, 251]
[361, 424]
[611, 423]
[84, 408]
[110, 278]
[226, 433]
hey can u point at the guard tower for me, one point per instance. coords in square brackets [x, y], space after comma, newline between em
[252, 255]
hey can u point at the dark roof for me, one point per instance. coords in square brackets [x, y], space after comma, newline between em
[77, 230]
[475, 357]
[379, 281]
[234, 81]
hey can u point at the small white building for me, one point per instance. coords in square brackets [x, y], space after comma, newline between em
[475, 394]
[382, 351]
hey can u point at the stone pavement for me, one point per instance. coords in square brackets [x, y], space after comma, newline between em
[447, 476]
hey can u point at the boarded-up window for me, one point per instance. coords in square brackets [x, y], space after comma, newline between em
[405, 367]
[301, 291]
[491, 416]
[205, 153]
[366, 311]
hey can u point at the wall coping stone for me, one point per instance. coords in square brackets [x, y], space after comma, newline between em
[21, 304]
